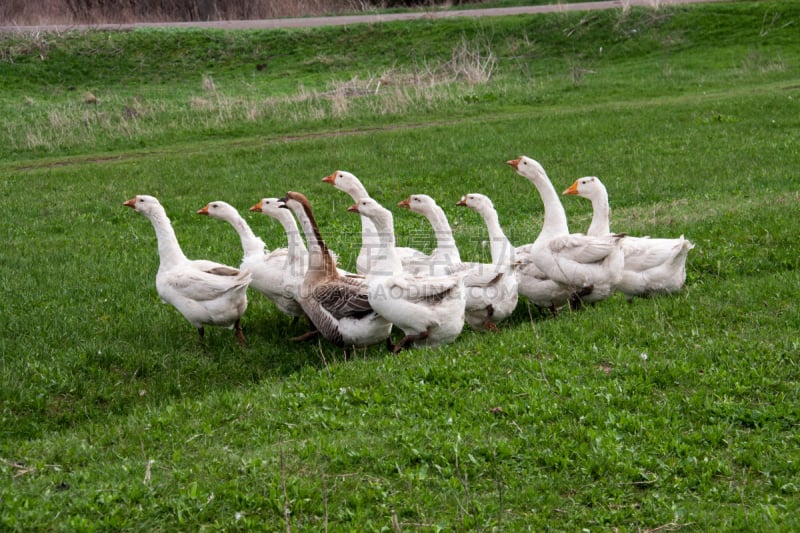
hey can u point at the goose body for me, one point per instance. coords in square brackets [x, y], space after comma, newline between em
[534, 284]
[651, 266]
[337, 305]
[492, 289]
[429, 309]
[370, 241]
[206, 293]
[266, 267]
[585, 267]
[442, 259]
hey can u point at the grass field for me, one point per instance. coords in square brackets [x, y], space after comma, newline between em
[670, 413]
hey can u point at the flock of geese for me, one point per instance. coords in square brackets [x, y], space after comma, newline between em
[428, 297]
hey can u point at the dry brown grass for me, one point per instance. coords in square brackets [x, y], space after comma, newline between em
[44, 12]
[34, 43]
[89, 116]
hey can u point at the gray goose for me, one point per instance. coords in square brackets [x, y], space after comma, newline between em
[337, 305]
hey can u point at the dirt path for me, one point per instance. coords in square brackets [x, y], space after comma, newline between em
[371, 19]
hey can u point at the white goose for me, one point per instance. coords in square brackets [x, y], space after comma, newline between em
[482, 283]
[337, 305]
[489, 304]
[445, 255]
[370, 241]
[267, 268]
[652, 266]
[296, 265]
[204, 292]
[429, 310]
[589, 268]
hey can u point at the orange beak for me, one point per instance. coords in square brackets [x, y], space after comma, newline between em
[573, 189]
[330, 179]
[514, 163]
[130, 203]
[405, 204]
[203, 210]
[353, 208]
[462, 202]
[257, 207]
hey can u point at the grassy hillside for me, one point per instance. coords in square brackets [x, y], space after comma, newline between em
[77, 92]
[663, 414]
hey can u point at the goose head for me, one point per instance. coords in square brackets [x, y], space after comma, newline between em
[371, 209]
[588, 187]
[528, 168]
[419, 203]
[478, 202]
[218, 209]
[346, 182]
[269, 206]
[295, 201]
[144, 204]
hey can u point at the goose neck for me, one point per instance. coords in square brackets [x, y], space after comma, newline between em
[169, 250]
[295, 245]
[441, 228]
[320, 258]
[251, 244]
[601, 214]
[356, 190]
[501, 248]
[555, 218]
[384, 226]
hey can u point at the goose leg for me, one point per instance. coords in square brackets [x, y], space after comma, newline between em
[409, 339]
[576, 298]
[239, 333]
[305, 336]
[310, 334]
[488, 324]
[201, 331]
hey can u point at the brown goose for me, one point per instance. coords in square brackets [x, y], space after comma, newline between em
[337, 305]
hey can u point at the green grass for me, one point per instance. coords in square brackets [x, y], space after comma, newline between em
[553, 423]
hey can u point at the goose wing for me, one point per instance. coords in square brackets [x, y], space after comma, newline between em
[418, 288]
[274, 254]
[583, 248]
[643, 253]
[201, 285]
[212, 267]
[477, 274]
[343, 298]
